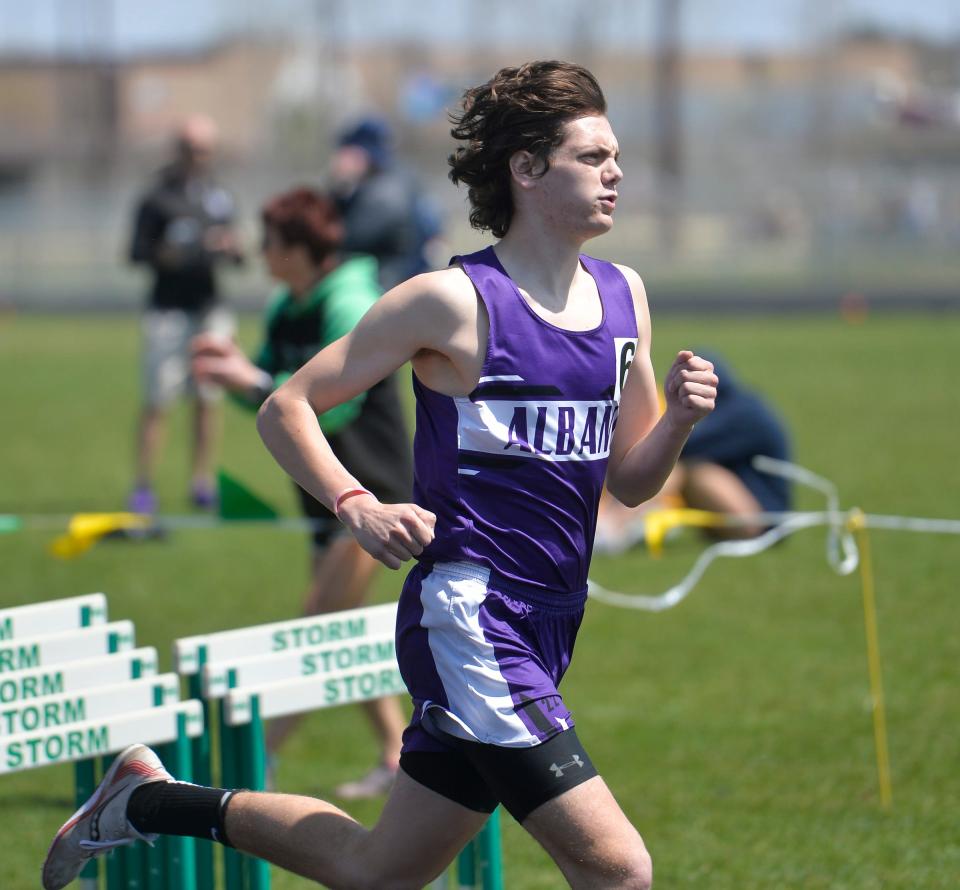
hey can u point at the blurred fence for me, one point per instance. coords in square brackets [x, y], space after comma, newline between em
[830, 168]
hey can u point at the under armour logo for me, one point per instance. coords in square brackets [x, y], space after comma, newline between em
[558, 770]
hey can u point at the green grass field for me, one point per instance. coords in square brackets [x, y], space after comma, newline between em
[735, 729]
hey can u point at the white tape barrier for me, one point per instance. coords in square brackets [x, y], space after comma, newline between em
[841, 548]
[41, 651]
[352, 654]
[48, 712]
[95, 738]
[842, 555]
[913, 524]
[676, 594]
[881, 521]
[53, 616]
[190, 653]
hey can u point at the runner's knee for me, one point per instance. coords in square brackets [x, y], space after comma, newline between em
[640, 870]
[372, 878]
[627, 868]
[636, 866]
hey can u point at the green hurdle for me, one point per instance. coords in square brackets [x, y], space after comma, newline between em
[53, 616]
[74, 689]
[24, 653]
[193, 655]
[480, 864]
[168, 726]
[253, 674]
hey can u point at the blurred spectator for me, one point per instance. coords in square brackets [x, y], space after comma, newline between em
[386, 213]
[921, 207]
[182, 231]
[323, 296]
[715, 471]
[776, 215]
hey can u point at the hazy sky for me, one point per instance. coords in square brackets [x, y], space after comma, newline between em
[127, 26]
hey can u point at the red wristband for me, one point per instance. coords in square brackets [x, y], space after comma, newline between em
[344, 495]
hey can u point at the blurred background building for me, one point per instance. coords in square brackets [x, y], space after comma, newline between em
[786, 149]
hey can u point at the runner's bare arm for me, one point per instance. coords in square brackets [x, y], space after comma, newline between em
[644, 449]
[430, 320]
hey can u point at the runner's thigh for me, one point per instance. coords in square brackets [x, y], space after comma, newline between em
[589, 837]
[419, 833]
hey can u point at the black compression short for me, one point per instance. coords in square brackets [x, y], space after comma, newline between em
[479, 777]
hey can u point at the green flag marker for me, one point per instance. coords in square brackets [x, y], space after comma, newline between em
[238, 502]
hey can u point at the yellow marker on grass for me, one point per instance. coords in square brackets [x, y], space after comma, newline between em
[857, 523]
[85, 529]
[657, 523]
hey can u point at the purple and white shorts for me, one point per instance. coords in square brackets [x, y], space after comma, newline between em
[484, 656]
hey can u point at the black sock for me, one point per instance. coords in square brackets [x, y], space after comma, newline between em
[181, 809]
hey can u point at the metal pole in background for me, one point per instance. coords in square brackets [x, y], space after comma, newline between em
[668, 124]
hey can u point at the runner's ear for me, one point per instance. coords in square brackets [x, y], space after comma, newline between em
[525, 168]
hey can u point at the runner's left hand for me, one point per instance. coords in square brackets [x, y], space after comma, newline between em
[690, 389]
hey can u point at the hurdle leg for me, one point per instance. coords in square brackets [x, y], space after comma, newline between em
[136, 866]
[159, 862]
[231, 776]
[490, 860]
[253, 758]
[85, 782]
[181, 867]
[467, 868]
[158, 856]
[480, 863]
[116, 861]
[201, 770]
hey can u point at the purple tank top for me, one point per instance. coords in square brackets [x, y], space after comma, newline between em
[514, 471]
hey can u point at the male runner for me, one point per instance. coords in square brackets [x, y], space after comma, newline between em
[520, 355]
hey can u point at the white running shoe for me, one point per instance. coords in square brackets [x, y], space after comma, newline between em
[375, 783]
[101, 823]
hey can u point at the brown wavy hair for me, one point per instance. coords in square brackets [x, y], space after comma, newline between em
[307, 218]
[518, 109]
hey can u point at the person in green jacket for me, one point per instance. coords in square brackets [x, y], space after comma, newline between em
[323, 295]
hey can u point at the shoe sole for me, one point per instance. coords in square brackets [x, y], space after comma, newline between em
[91, 804]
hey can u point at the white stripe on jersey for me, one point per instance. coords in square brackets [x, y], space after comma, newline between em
[547, 429]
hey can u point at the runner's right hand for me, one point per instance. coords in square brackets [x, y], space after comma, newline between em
[391, 533]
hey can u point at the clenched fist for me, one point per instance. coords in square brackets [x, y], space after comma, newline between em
[690, 389]
[391, 533]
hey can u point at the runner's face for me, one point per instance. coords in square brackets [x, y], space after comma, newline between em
[579, 191]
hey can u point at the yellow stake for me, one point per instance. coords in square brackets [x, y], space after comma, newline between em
[85, 529]
[656, 524]
[857, 523]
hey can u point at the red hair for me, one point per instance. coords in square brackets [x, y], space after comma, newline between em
[307, 218]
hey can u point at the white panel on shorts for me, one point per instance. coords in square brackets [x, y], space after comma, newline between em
[480, 705]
